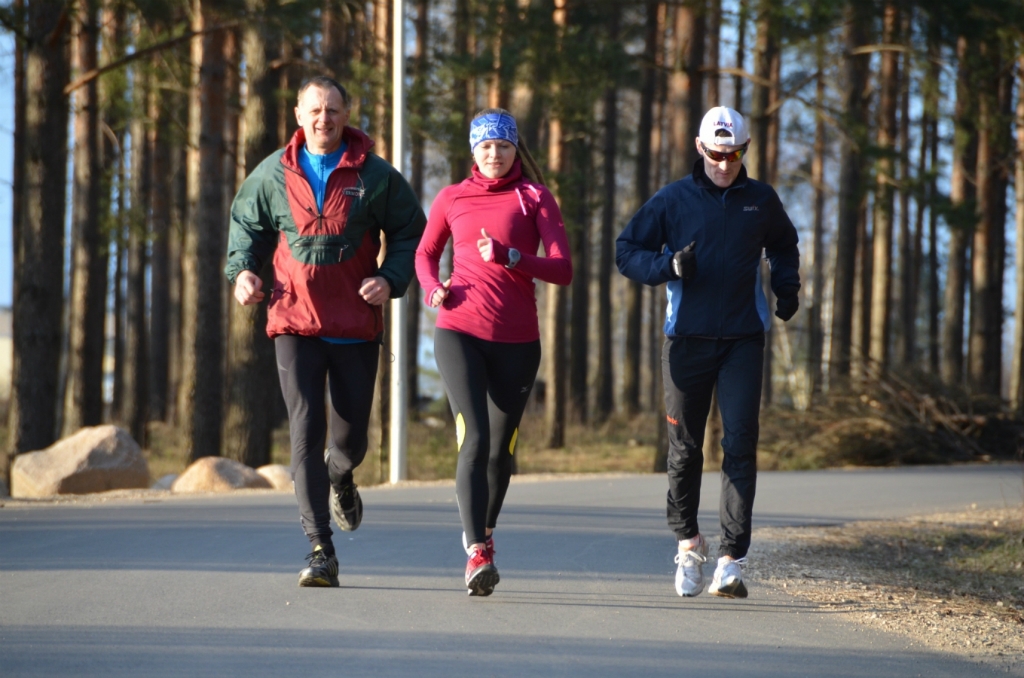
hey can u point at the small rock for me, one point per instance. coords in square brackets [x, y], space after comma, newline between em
[95, 459]
[278, 475]
[217, 474]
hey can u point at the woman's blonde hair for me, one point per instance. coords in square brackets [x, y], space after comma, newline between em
[531, 169]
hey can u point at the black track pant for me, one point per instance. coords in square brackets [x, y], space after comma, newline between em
[303, 366]
[488, 384]
[691, 366]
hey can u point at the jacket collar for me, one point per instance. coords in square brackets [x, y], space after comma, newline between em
[359, 145]
[514, 176]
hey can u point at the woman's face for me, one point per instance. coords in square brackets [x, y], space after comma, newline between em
[494, 157]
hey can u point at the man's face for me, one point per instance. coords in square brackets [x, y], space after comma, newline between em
[721, 172]
[322, 114]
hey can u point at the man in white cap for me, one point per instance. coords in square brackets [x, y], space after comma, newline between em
[703, 235]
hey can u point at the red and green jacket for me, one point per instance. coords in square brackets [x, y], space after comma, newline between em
[322, 256]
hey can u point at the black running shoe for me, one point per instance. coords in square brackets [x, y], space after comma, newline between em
[347, 507]
[322, 570]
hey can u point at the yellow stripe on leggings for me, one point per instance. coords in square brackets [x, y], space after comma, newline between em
[512, 443]
[460, 431]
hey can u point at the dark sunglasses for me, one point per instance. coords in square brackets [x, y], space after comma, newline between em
[719, 156]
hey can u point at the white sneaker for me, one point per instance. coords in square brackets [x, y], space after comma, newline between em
[728, 579]
[689, 575]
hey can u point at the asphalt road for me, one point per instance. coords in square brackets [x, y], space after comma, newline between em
[206, 586]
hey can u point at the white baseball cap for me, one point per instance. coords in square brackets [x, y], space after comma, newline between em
[723, 126]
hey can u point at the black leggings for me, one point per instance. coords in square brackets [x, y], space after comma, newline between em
[488, 384]
[303, 366]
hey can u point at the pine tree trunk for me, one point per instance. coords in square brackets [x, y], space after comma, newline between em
[420, 103]
[686, 86]
[1017, 371]
[381, 128]
[885, 177]
[575, 204]
[816, 339]
[160, 263]
[742, 16]
[604, 403]
[908, 264]
[39, 259]
[714, 80]
[252, 368]
[986, 320]
[855, 73]
[634, 297]
[202, 368]
[84, 402]
[555, 325]
[961, 196]
[135, 410]
[336, 28]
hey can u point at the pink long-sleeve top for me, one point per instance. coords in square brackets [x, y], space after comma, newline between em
[487, 300]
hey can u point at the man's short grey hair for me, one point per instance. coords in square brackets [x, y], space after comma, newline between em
[324, 82]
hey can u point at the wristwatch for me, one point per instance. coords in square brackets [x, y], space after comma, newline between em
[513, 258]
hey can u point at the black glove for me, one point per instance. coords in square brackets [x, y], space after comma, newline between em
[787, 303]
[684, 262]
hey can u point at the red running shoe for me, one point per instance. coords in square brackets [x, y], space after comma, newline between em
[489, 543]
[481, 574]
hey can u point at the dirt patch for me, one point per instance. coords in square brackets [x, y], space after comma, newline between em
[951, 582]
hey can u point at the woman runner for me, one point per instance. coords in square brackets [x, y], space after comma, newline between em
[487, 338]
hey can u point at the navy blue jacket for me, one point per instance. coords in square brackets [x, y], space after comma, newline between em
[731, 228]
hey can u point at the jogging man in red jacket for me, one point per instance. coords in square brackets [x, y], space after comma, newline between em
[319, 207]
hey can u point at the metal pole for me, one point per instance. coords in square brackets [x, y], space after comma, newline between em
[399, 368]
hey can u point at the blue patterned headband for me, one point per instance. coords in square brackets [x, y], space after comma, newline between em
[493, 126]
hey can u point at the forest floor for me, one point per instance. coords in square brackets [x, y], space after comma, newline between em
[951, 582]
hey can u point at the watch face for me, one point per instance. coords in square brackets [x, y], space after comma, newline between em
[513, 257]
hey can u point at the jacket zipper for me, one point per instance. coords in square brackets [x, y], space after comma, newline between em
[319, 212]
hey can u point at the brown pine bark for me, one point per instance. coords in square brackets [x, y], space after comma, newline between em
[714, 79]
[885, 178]
[909, 242]
[338, 32]
[988, 246]
[39, 259]
[1017, 370]
[555, 322]
[381, 124]
[855, 73]
[202, 369]
[252, 369]
[463, 90]
[84, 396]
[160, 260]
[420, 104]
[631, 369]
[763, 152]
[816, 339]
[742, 16]
[961, 196]
[686, 85]
[604, 403]
[135, 408]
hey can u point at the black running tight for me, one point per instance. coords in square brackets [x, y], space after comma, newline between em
[303, 366]
[488, 384]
